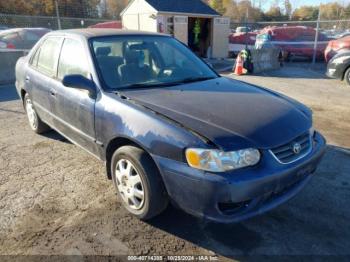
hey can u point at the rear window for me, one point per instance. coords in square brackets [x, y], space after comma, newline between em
[10, 38]
[30, 36]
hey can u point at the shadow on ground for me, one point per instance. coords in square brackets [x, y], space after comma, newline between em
[8, 93]
[52, 134]
[298, 70]
[314, 223]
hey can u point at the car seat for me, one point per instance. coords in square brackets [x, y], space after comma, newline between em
[134, 70]
[109, 66]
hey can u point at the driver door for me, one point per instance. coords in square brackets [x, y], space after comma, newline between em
[73, 109]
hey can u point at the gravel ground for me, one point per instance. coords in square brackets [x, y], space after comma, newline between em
[56, 200]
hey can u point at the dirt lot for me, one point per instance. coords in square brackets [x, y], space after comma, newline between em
[55, 198]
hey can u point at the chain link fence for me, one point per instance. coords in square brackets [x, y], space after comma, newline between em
[297, 38]
[335, 26]
[303, 43]
[51, 22]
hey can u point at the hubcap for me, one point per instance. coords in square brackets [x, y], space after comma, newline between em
[32, 117]
[129, 184]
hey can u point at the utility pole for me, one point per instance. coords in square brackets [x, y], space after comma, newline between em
[246, 29]
[58, 15]
[316, 36]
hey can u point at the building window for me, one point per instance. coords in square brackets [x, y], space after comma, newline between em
[170, 25]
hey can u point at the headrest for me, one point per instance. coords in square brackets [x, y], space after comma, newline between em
[103, 51]
[132, 57]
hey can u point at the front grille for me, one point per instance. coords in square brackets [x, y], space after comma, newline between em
[286, 154]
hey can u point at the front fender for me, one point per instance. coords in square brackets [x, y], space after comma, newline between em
[117, 116]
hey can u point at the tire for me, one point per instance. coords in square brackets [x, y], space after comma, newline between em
[347, 76]
[128, 185]
[35, 123]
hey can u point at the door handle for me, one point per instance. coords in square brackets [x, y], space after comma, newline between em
[27, 78]
[53, 92]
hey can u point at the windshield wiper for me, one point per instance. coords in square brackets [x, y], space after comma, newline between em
[163, 84]
[144, 85]
[196, 79]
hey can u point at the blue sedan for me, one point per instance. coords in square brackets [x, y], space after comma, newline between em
[167, 127]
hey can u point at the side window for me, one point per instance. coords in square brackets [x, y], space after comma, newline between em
[35, 58]
[48, 56]
[72, 60]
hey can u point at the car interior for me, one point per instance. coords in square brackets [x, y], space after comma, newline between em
[125, 67]
[127, 63]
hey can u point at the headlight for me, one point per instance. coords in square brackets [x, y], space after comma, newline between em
[340, 60]
[219, 161]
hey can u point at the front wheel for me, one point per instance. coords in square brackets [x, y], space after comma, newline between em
[36, 124]
[347, 76]
[138, 182]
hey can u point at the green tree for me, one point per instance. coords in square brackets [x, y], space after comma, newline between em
[112, 8]
[218, 5]
[242, 10]
[305, 13]
[332, 11]
[275, 14]
[71, 8]
[24, 7]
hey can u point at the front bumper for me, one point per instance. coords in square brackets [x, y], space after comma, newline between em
[334, 71]
[240, 194]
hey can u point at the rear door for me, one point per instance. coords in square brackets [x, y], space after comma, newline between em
[40, 73]
[73, 109]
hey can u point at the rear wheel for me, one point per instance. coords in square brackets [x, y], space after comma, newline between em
[347, 76]
[138, 182]
[35, 122]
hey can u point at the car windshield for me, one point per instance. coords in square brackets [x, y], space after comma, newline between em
[127, 62]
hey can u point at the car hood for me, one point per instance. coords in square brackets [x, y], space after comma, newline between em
[230, 113]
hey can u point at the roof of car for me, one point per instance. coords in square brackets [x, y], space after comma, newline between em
[98, 32]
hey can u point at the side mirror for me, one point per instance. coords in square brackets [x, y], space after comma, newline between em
[80, 82]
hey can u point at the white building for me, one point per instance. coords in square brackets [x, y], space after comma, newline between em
[191, 21]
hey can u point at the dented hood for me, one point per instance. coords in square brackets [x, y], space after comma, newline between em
[230, 113]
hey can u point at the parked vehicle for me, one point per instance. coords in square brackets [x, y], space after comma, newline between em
[243, 29]
[21, 38]
[3, 27]
[339, 67]
[334, 47]
[295, 40]
[167, 126]
[343, 34]
[110, 24]
[239, 41]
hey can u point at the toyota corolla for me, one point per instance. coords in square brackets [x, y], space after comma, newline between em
[168, 127]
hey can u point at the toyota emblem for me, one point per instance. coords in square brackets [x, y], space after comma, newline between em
[296, 148]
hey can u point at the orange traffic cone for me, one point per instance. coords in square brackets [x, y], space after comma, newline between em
[239, 66]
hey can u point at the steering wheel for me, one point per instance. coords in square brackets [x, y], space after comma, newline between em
[176, 71]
